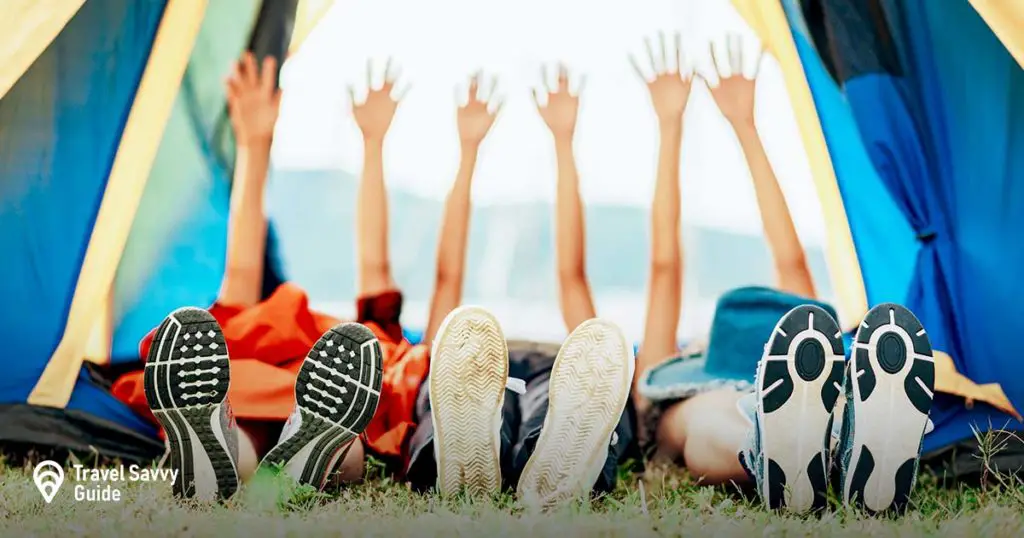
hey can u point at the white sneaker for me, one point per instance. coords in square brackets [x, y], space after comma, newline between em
[589, 388]
[468, 376]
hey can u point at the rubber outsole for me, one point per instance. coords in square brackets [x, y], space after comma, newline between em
[588, 391]
[799, 383]
[468, 373]
[336, 394]
[186, 380]
[893, 382]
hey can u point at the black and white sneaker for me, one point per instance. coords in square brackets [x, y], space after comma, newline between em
[889, 389]
[186, 382]
[336, 395]
[798, 382]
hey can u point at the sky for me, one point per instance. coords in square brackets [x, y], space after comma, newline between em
[439, 44]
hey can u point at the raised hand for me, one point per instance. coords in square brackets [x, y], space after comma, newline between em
[476, 117]
[253, 100]
[374, 115]
[562, 105]
[670, 88]
[734, 94]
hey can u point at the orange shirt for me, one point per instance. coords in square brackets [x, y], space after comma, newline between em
[267, 343]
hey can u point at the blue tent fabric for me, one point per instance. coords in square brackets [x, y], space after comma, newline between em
[901, 66]
[870, 209]
[176, 249]
[60, 126]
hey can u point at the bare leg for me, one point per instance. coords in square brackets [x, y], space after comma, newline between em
[708, 432]
[352, 466]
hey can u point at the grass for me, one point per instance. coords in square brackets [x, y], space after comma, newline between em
[662, 503]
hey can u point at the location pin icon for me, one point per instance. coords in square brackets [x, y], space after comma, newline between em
[48, 477]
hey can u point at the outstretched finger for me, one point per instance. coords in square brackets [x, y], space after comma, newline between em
[352, 95]
[474, 87]
[735, 54]
[636, 68]
[678, 39]
[268, 74]
[664, 53]
[544, 79]
[579, 88]
[757, 64]
[563, 78]
[495, 108]
[249, 71]
[536, 97]
[650, 56]
[489, 94]
[715, 62]
[399, 96]
[369, 74]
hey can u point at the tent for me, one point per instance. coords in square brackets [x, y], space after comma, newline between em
[115, 182]
[110, 110]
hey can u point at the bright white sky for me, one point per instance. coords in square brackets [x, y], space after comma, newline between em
[438, 44]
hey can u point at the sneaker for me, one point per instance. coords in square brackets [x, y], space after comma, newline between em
[186, 382]
[588, 391]
[889, 390]
[336, 395]
[798, 382]
[468, 376]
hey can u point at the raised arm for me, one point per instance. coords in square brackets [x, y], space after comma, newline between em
[559, 114]
[373, 117]
[474, 120]
[669, 91]
[253, 99]
[735, 98]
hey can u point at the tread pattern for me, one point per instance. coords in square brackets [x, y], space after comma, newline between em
[186, 380]
[588, 391]
[892, 381]
[468, 372]
[337, 392]
[804, 352]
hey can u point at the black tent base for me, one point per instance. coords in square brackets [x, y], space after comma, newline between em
[972, 463]
[25, 429]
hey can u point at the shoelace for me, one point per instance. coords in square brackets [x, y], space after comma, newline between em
[516, 385]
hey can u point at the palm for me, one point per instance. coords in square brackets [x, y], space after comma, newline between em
[670, 88]
[562, 106]
[734, 94]
[669, 94]
[474, 119]
[253, 99]
[735, 98]
[374, 115]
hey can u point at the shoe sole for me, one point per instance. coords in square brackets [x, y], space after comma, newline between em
[893, 377]
[468, 374]
[337, 392]
[799, 384]
[588, 391]
[186, 380]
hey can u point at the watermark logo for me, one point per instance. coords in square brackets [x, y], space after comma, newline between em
[48, 476]
[102, 484]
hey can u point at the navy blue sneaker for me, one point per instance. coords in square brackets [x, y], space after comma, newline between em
[889, 388]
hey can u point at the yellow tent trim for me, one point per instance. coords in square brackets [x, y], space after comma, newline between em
[140, 139]
[98, 348]
[768, 19]
[1006, 19]
[307, 16]
[27, 27]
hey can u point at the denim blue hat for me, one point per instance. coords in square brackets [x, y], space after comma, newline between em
[744, 320]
